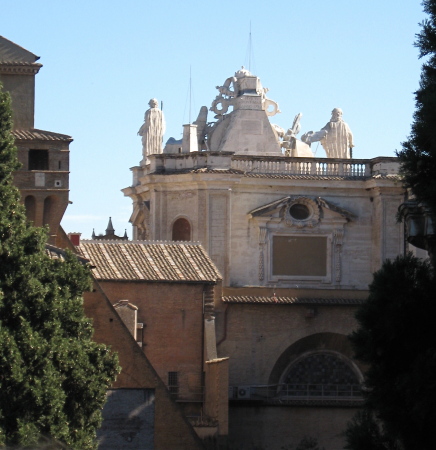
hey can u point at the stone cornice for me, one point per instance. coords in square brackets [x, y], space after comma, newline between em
[19, 68]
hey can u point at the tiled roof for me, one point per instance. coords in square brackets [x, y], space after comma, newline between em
[149, 260]
[292, 300]
[58, 253]
[34, 134]
[14, 53]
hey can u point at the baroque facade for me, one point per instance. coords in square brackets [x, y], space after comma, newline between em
[296, 239]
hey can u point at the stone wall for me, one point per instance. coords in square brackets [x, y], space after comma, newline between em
[217, 207]
[283, 427]
[255, 336]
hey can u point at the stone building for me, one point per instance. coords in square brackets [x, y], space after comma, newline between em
[165, 294]
[140, 412]
[43, 179]
[296, 239]
[110, 234]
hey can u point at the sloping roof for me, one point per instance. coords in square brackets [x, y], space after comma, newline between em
[58, 253]
[292, 300]
[13, 53]
[149, 261]
[41, 135]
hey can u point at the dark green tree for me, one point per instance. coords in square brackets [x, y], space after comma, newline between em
[396, 339]
[53, 377]
[418, 156]
[364, 432]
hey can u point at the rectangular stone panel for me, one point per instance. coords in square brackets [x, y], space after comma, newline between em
[300, 256]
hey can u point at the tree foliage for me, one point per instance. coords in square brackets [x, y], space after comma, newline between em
[396, 339]
[364, 432]
[53, 377]
[418, 156]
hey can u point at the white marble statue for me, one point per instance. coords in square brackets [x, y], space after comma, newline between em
[152, 130]
[336, 137]
[290, 137]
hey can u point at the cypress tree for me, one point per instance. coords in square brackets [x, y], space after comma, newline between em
[396, 339]
[53, 377]
[418, 156]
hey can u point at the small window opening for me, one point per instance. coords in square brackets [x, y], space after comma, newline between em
[173, 383]
[38, 159]
[299, 211]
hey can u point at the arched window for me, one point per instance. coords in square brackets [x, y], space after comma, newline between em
[181, 230]
[321, 374]
[30, 205]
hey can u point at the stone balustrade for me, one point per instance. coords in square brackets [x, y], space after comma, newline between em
[347, 168]
[304, 166]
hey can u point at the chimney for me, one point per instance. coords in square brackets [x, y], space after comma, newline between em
[190, 140]
[75, 238]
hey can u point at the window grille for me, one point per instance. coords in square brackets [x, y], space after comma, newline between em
[38, 159]
[173, 383]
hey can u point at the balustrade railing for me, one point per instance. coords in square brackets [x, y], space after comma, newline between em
[296, 392]
[268, 165]
[303, 166]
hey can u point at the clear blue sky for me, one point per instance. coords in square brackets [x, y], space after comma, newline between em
[103, 61]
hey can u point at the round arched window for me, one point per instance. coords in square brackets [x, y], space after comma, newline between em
[181, 230]
[322, 374]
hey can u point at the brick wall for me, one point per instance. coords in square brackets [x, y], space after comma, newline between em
[172, 337]
[171, 429]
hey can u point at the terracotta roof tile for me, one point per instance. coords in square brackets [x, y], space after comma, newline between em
[58, 253]
[149, 260]
[292, 300]
[35, 134]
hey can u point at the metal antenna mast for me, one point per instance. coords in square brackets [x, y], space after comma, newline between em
[249, 50]
[190, 93]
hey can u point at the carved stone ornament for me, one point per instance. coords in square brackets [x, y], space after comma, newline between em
[301, 212]
[262, 242]
[338, 236]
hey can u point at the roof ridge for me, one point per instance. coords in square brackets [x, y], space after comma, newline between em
[147, 242]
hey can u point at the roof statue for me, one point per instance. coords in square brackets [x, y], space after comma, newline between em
[152, 131]
[243, 83]
[242, 126]
[336, 137]
[293, 146]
